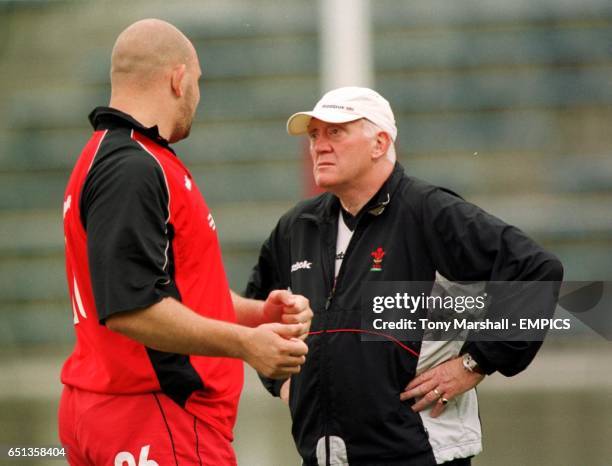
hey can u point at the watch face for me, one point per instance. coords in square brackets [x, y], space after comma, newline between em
[469, 362]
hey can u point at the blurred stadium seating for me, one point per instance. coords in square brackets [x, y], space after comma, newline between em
[508, 103]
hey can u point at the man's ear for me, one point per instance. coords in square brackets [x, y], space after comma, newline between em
[176, 80]
[383, 141]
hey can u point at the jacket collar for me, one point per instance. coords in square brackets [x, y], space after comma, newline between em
[111, 118]
[328, 208]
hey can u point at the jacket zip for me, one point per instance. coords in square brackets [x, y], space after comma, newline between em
[328, 302]
[329, 284]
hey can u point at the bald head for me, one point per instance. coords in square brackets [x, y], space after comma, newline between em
[155, 76]
[146, 50]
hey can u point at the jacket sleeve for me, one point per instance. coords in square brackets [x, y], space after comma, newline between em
[468, 244]
[265, 277]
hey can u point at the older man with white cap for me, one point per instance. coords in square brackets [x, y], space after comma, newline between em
[386, 402]
[345, 105]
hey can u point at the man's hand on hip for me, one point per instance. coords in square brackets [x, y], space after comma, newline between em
[438, 385]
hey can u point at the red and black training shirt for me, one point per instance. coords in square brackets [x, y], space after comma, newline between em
[137, 229]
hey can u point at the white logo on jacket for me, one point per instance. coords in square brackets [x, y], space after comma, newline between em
[211, 222]
[300, 265]
[67, 204]
[187, 183]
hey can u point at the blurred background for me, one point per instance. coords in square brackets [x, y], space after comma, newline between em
[508, 103]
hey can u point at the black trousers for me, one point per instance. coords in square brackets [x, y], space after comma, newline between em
[459, 462]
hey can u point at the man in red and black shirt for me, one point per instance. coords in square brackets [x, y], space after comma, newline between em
[156, 372]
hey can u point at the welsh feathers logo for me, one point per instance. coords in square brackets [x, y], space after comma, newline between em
[378, 258]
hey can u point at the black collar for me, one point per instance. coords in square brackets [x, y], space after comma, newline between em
[111, 118]
[328, 209]
[349, 219]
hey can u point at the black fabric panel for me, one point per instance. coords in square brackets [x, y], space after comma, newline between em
[177, 377]
[459, 462]
[124, 208]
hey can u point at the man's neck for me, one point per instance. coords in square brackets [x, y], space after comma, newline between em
[142, 114]
[353, 202]
[354, 198]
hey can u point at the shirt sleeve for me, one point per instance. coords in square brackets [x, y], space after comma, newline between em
[468, 244]
[124, 209]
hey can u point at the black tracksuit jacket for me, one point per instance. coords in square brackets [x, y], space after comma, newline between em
[349, 388]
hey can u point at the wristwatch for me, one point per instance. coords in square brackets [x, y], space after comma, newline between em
[470, 364]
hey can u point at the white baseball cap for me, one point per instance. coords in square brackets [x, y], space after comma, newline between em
[347, 104]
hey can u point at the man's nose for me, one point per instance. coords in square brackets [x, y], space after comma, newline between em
[321, 145]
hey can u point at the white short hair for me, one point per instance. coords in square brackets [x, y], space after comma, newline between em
[372, 130]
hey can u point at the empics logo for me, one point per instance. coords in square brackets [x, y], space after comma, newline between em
[301, 265]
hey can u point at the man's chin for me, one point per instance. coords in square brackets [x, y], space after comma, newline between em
[325, 182]
[179, 135]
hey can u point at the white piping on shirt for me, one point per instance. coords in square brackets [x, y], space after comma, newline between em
[167, 189]
[97, 149]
